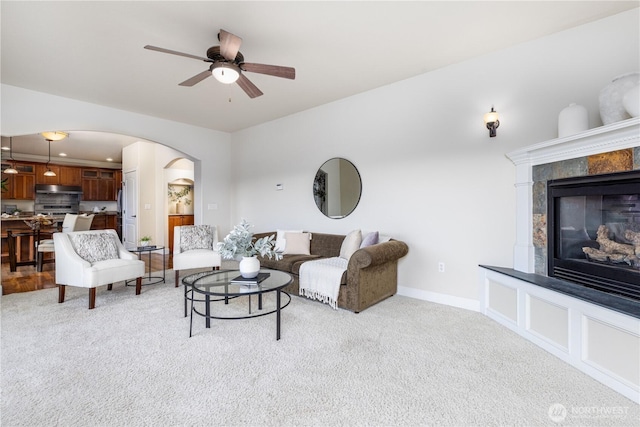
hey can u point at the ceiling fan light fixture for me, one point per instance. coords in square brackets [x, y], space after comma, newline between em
[226, 73]
[54, 135]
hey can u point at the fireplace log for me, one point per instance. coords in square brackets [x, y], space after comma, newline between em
[634, 237]
[609, 246]
[602, 256]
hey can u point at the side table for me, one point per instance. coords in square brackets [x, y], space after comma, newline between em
[150, 280]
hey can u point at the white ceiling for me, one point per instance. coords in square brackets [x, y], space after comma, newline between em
[93, 51]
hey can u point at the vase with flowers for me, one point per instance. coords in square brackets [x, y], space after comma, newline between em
[239, 243]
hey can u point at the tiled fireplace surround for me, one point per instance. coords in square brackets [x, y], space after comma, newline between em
[602, 342]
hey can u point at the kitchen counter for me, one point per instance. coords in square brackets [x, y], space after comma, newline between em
[99, 213]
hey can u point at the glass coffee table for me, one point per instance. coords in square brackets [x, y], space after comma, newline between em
[218, 286]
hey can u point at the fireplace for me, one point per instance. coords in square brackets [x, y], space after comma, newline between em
[593, 232]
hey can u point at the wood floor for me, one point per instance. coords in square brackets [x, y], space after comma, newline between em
[27, 279]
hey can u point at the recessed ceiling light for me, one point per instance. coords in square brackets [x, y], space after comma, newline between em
[62, 154]
[109, 159]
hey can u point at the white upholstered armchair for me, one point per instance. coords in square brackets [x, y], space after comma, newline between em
[194, 246]
[89, 259]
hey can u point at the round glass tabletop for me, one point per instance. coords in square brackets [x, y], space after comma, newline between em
[230, 282]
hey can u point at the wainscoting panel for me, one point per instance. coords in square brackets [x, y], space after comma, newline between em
[611, 350]
[503, 300]
[549, 321]
[602, 343]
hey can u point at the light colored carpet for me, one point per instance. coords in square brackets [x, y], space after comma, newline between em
[130, 361]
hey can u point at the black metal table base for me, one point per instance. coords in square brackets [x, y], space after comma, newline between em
[150, 279]
[208, 316]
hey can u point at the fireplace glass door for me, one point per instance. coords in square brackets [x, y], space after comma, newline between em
[594, 232]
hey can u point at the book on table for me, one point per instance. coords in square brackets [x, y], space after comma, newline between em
[251, 281]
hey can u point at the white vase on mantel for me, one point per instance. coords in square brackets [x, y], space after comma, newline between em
[249, 267]
[631, 101]
[572, 120]
[611, 98]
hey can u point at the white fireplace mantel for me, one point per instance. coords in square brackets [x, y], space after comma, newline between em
[612, 137]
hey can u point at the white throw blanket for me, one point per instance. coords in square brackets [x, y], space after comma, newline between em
[320, 279]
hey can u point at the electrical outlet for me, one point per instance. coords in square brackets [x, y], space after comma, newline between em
[441, 267]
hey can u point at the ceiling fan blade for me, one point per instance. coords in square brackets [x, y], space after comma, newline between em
[272, 70]
[173, 52]
[249, 88]
[196, 79]
[229, 44]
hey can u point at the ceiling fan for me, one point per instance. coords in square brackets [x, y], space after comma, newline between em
[227, 65]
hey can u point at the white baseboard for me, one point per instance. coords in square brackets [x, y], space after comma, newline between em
[451, 300]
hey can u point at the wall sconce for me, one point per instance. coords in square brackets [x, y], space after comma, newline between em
[492, 122]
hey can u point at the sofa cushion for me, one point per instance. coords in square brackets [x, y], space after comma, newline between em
[287, 262]
[196, 237]
[297, 244]
[370, 239]
[95, 247]
[350, 244]
[281, 240]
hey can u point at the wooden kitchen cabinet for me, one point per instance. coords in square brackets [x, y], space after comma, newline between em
[22, 185]
[41, 168]
[70, 175]
[104, 222]
[98, 184]
[177, 220]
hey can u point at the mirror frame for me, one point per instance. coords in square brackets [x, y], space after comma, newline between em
[319, 190]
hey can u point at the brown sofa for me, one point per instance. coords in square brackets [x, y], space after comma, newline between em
[371, 276]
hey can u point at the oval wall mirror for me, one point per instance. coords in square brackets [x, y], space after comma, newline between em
[337, 188]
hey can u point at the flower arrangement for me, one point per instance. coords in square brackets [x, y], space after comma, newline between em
[239, 242]
[180, 194]
[145, 240]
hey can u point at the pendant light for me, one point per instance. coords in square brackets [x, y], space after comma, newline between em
[11, 170]
[49, 172]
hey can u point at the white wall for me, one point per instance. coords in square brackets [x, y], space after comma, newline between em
[27, 112]
[431, 175]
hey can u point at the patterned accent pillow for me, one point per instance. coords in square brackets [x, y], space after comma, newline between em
[94, 247]
[196, 237]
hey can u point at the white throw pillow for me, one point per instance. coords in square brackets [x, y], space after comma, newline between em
[350, 244]
[297, 244]
[281, 241]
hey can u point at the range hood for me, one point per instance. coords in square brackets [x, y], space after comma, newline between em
[58, 189]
